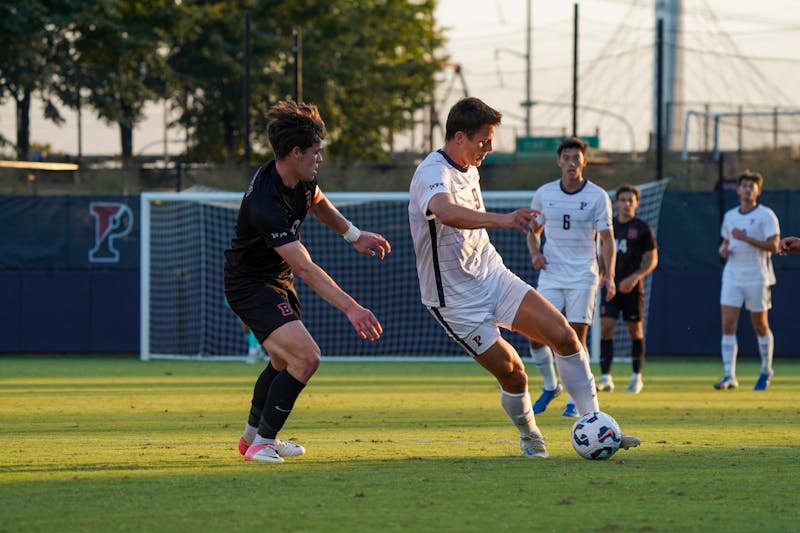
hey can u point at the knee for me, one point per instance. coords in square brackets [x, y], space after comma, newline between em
[565, 342]
[305, 364]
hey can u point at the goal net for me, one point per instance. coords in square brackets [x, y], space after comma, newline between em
[183, 309]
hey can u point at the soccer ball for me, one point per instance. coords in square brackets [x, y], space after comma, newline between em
[596, 436]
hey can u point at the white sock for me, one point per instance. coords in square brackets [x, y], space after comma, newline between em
[250, 433]
[261, 440]
[765, 346]
[543, 359]
[729, 349]
[578, 379]
[519, 410]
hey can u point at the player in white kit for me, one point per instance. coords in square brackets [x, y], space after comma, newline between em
[750, 235]
[574, 212]
[466, 286]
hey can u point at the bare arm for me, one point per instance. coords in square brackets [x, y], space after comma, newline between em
[534, 240]
[367, 243]
[770, 244]
[609, 258]
[649, 263]
[362, 319]
[456, 216]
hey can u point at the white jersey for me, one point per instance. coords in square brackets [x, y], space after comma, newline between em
[451, 263]
[748, 264]
[571, 222]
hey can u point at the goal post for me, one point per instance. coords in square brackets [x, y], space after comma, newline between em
[183, 313]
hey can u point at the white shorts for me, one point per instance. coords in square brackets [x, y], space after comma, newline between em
[475, 327]
[755, 298]
[576, 304]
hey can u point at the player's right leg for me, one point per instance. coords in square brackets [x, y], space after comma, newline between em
[503, 362]
[728, 347]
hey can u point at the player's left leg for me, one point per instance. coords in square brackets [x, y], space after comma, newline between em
[537, 319]
[637, 356]
[607, 325]
[766, 341]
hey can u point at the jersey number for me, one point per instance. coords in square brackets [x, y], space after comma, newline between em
[622, 246]
[565, 222]
[477, 198]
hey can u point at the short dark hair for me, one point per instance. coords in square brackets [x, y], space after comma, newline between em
[749, 175]
[633, 189]
[572, 142]
[469, 115]
[291, 124]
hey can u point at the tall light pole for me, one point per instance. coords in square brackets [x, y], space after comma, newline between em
[527, 104]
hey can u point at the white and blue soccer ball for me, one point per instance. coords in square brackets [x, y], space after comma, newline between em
[596, 436]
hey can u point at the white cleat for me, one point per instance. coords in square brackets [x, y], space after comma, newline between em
[533, 446]
[286, 448]
[265, 453]
[605, 383]
[635, 385]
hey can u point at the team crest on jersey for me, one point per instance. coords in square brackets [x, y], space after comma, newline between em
[632, 233]
[112, 221]
[285, 309]
[583, 204]
[309, 199]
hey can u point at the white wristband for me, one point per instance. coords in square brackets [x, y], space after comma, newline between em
[352, 234]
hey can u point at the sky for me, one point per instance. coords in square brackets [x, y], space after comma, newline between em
[736, 53]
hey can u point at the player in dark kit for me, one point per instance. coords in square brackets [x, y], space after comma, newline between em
[637, 256]
[260, 265]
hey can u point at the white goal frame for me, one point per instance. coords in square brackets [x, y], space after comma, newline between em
[494, 200]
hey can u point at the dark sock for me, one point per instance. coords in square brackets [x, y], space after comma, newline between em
[280, 400]
[260, 394]
[606, 355]
[637, 355]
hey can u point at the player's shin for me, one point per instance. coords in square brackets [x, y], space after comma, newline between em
[577, 378]
[519, 410]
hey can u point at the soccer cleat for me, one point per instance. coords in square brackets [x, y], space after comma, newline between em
[532, 445]
[243, 445]
[545, 398]
[570, 411]
[265, 453]
[628, 441]
[635, 385]
[285, 448]
[605, 383]
[763, 381]
[726, 382]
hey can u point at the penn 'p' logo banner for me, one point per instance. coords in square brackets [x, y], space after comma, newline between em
[112, 221]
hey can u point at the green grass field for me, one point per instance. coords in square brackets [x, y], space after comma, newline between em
[95, 444]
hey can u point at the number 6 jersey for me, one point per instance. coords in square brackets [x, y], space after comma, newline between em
[571, 221]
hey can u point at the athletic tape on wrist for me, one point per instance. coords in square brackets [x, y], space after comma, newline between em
[352, 234]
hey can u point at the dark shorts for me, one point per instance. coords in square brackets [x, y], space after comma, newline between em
[631, 305]
[264, 308]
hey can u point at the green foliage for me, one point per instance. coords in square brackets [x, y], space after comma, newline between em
[120, 445]
[368, 65]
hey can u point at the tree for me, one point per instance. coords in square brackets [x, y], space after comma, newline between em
[368, 65]
[117, 50]
[27, 32]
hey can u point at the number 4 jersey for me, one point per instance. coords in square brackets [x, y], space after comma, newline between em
[571, 222]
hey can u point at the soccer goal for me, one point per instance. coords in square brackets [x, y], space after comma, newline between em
[183, 310]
